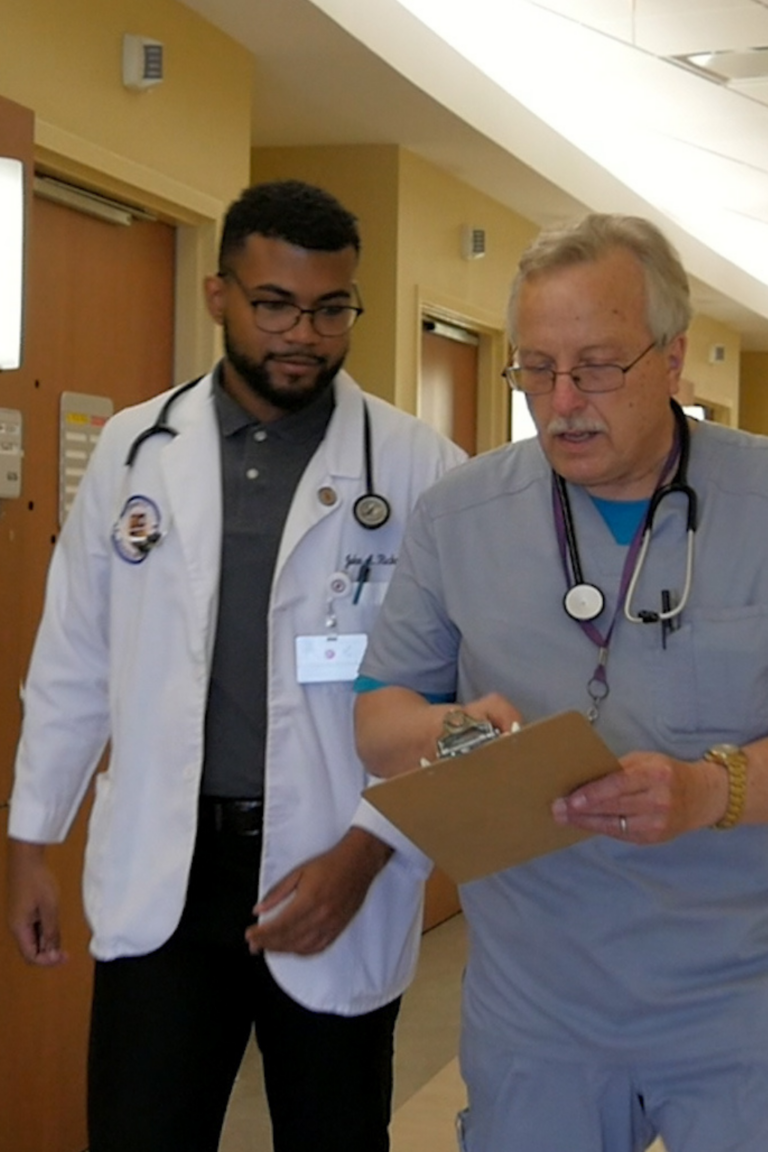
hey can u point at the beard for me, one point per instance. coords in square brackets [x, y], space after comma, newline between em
[255, 373]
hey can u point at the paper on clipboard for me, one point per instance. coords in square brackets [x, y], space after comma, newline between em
[489, 809]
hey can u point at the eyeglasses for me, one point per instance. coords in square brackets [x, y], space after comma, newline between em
[277, 316]
[586, 377]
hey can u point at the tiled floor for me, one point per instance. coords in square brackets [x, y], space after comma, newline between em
[428, 1088]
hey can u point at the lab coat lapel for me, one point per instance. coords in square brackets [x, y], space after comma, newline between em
[339, 457]
[191, 465]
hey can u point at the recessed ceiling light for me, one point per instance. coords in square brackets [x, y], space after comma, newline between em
[750, 64]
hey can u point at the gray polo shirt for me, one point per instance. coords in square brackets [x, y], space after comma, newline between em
[261, 465]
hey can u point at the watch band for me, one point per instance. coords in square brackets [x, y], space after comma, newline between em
[734, 760]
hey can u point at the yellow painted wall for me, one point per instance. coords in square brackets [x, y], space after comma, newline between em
[411, 215]
[716, 383]
[181, 149]
[433, 275]
[754, 392]
[63, 59]
[434, 208]
[365, 179]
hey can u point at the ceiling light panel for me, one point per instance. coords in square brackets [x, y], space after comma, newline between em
[751, 65]
[670, 29]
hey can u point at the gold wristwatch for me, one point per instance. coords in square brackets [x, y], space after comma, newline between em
[734, 760]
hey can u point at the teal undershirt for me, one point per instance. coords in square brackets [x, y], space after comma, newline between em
[622, 516]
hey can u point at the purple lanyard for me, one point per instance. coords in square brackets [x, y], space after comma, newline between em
[597, 686]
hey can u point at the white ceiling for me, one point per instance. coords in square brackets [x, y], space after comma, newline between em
[369, 71]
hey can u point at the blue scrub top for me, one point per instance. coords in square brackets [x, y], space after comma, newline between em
[606, 944]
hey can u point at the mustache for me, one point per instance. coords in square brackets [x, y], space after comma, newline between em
[560, 425]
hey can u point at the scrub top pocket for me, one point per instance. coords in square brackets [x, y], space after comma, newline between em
[713, 677]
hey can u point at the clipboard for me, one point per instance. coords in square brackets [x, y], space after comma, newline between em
[489, 809]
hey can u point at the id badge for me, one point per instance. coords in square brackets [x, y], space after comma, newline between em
[322, 659]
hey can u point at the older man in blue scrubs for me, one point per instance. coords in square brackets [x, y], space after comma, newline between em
[616, 991]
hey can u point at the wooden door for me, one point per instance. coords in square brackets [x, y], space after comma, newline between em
[448, 382]
[99, 320]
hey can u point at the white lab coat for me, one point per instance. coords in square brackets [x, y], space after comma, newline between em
[124, 654]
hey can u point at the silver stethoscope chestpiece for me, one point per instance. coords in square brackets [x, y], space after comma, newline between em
[584, 602]
[371, 510]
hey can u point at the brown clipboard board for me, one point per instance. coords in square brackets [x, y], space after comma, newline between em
[489, 809]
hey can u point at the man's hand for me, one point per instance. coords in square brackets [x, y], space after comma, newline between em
[396, 729]
[323, 895]
[33, 905]
[652, 799]
[494, 708]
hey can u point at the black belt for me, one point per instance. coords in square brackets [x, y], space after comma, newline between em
[231, 817]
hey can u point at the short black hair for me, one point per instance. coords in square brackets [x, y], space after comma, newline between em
[289, 210]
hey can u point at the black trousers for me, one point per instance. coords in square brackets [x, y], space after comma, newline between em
[168, 1033]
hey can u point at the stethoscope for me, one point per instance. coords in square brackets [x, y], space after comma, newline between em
[584, 601]
[137, 530]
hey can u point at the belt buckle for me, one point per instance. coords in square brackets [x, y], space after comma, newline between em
[244, 817]
[232, 816]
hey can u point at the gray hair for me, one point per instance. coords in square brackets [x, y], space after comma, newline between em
[668, 305]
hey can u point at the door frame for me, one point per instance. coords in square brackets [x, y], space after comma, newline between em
[195, 215]
[492, 395]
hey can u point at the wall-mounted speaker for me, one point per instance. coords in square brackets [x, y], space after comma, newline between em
[142, 62]
[472, 242]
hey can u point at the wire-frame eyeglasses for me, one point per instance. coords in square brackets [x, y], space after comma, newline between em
[537, 380]
[278, 316]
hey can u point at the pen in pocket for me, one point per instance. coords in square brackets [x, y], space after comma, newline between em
[362, 577]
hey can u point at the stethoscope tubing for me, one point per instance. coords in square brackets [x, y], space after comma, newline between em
[677, 486]
[161, 424]
[371, 510]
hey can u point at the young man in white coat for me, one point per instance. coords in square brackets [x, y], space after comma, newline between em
[207, 606]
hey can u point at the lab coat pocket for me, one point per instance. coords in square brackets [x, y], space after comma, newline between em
[359, 611]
